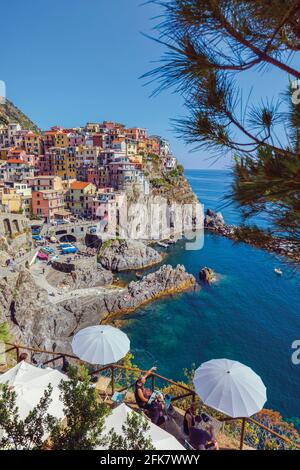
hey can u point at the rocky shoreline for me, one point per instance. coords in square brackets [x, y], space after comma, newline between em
[35, 321]
[290, 249]
[166, 281]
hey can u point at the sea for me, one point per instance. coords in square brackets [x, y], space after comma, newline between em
[250, 315]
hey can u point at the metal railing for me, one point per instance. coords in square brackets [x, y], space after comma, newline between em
[112, 369]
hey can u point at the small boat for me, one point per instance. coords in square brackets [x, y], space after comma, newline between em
[37, 238]
[278, 271]
[163, 245]
[42, 256]
[47, 250]
[69, 250]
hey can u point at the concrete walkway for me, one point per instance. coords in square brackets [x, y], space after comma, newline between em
[19, 261]
[57, 296]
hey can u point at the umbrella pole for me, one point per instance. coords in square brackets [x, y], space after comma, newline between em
[242, 433]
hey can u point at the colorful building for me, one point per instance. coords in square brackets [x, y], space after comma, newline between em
[44, 182]
[17, 199]
[77, 197]
[86, 155]
[136, 133]
[62, 162]
[32, 143]
[16, 170]
[48, 204]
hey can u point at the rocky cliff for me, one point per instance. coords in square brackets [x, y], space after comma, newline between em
[120, 255]
[34, 320]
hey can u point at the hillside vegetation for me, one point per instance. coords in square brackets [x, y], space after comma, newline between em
[10, 113]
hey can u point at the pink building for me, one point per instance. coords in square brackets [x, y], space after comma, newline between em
[20, 154]
[75, 139]
[45, 164]
[47, 203]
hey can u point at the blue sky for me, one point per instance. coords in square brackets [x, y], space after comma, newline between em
[67, 62]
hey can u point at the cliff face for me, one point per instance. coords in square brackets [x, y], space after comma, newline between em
[10, 113]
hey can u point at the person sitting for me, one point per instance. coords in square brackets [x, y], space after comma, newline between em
[189, 419]
[141, 394]
[202, 439]
[156, 410]
[23, 357]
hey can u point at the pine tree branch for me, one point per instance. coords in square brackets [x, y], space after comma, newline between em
[262, 55]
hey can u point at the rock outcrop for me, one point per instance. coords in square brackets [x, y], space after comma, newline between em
[167, 280]
[79, 274]
[213, 220]
[37, 322]
[121, 255]
[207, 275]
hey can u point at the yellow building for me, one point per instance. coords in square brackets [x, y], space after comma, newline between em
[94, 128]
[61, 139]
[17, 199]
[78, 197]
[63, 162]
[138, 159]
[4, 152]
[131, 147]
[11, 200]
[142, 146]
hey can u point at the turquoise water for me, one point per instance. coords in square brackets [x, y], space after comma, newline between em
[250, 315]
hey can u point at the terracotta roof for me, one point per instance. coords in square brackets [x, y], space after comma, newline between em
[79, 185]
[15, 160]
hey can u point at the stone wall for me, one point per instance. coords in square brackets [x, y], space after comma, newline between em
[12, 224]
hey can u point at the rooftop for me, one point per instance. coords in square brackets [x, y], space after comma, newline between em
[79, 185]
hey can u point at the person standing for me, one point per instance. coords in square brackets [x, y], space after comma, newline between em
[189, 419]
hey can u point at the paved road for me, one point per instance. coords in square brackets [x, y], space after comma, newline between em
[19, 261]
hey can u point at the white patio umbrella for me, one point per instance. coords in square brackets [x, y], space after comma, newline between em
[101, 344]
[160, 438]
[29, 383]
[230, 387]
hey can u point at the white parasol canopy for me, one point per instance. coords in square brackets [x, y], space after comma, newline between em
[230, 387]
[29, 383]
[161, 439]
[101, 344]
